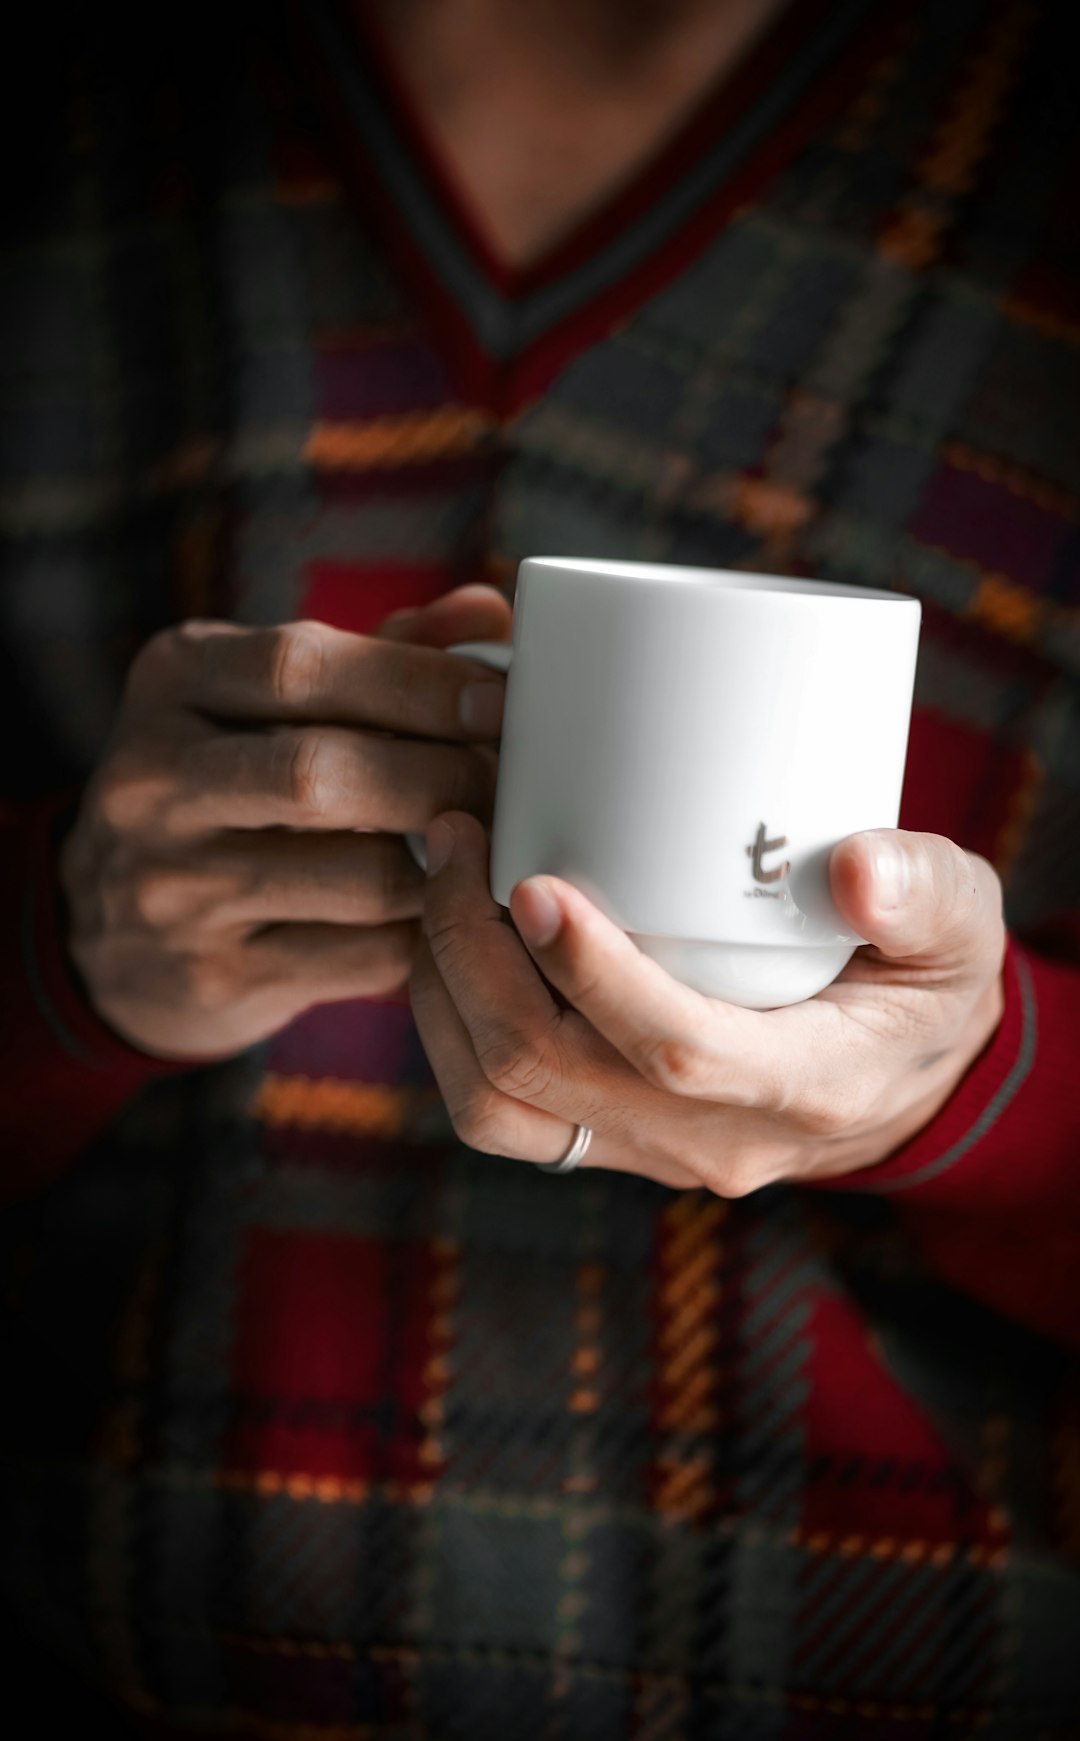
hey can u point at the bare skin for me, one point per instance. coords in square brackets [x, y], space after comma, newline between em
[218, 883]
[558, 1020]
[215, 878]
[543, 107]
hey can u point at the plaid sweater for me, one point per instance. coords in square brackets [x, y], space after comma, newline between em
[318, 1424]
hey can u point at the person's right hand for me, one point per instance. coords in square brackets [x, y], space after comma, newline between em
[216, 881]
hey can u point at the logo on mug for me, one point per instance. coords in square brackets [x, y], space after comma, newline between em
[757, 852]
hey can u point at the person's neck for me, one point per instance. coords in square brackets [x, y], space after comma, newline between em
[541, 108]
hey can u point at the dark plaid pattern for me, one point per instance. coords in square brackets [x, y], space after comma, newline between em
[319, 1424]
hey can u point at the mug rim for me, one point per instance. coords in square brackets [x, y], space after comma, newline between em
[745, 582]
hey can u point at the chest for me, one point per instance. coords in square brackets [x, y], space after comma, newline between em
[244, 412]
[538, 116]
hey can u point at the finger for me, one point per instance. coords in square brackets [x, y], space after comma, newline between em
[524, 1043]
[918, 897]
[309, 671]
[483, 1117]
[678, 1040]
[321, 777]
[245, 880]
[327, 963]
[476, 612]
[618, 1104]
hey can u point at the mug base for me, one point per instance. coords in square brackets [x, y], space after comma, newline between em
[756, 976]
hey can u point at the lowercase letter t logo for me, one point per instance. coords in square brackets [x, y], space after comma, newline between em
[757, 852]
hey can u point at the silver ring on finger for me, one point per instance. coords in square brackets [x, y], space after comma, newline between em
[574, 1155]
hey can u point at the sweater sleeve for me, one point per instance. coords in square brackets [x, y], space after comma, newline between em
[991, 1186]
[63, 1072]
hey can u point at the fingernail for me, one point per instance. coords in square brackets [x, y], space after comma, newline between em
[539, 914]
[439, 841]
[481, 707]
[892, 876]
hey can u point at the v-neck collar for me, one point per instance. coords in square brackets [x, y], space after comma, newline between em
[507, 331]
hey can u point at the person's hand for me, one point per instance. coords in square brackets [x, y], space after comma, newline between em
[528, 1039]
[237, 853]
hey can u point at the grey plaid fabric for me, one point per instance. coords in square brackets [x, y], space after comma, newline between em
[319, 1424]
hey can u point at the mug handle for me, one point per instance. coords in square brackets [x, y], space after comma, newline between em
[497, 655]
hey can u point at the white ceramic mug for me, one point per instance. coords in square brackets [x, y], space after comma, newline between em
[687, 745]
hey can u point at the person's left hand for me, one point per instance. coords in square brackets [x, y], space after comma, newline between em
[529, 1038]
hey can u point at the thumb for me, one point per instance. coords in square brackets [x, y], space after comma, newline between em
[476, 612]
[917, 895]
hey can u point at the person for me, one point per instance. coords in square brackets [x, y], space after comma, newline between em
[328, 1411]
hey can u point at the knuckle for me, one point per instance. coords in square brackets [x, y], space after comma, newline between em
[297, 657]
[821, 1117]
[116, 797]
[174, 658]
[829, 1110]
[523, 1068]
[738, 1179]
[735, 1173]
[765, 1161]
[193, 633]
[678, 1067]
[476, 1121]
[211, 984]
[314, 775]
[128, 795]
[160, 898]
